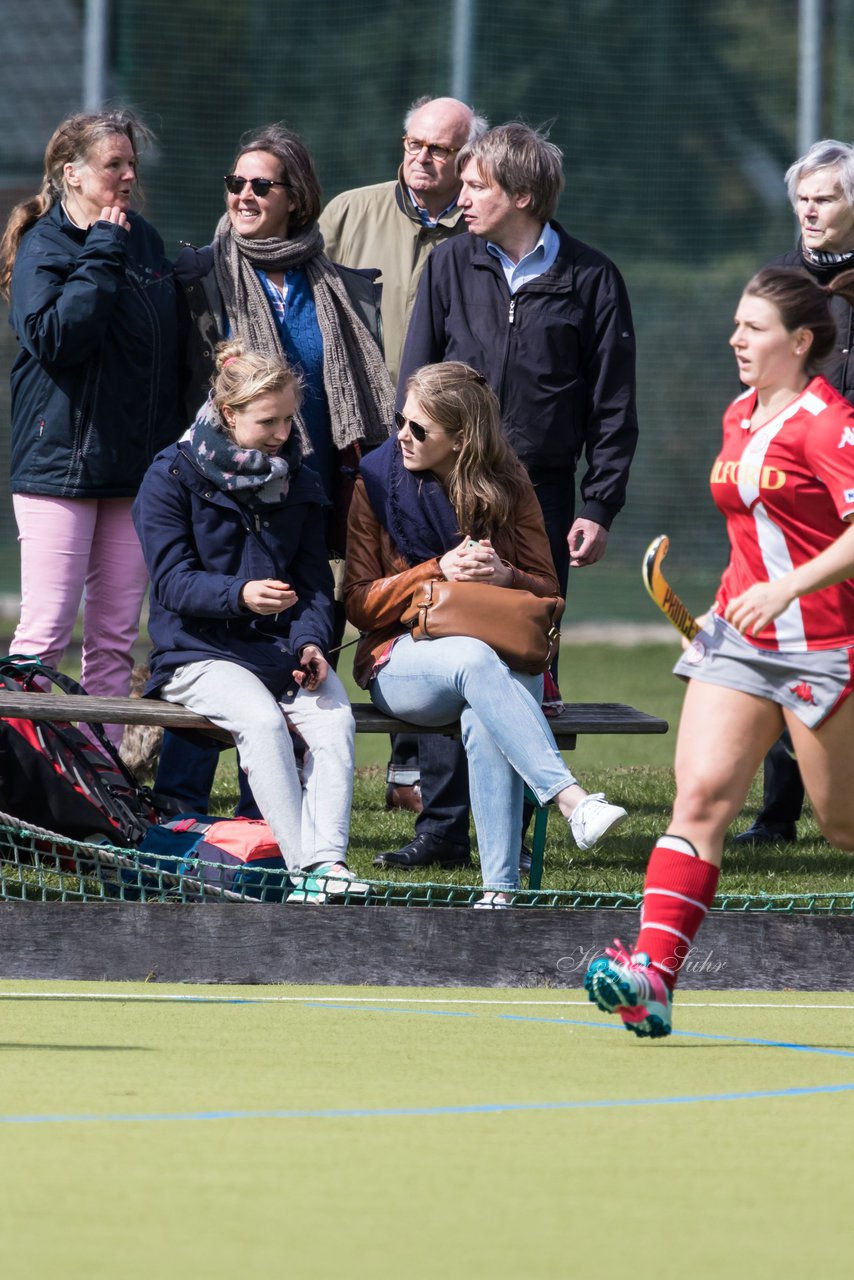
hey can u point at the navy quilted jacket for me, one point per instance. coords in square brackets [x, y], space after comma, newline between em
[201, 546]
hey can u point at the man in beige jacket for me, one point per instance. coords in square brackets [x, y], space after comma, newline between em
[395, 225]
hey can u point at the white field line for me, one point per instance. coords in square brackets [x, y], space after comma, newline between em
[343, 999]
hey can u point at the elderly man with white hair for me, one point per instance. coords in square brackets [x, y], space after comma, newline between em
[396, 225]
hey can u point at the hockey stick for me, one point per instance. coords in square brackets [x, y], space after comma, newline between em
[661, 591]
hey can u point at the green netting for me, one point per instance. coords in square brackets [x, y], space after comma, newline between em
[40, 866]
[678, 122]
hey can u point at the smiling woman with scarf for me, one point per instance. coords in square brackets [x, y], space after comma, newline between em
[266, 279]
[448, 499]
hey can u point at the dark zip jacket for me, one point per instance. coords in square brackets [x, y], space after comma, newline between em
[559, 353]
[839, 367]
[201, 546]
[95, 385]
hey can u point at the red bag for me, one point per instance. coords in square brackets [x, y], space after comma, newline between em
[236, 854]
[53, 776]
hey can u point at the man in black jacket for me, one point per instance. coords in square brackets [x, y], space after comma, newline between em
[821, 189]
[546, 319]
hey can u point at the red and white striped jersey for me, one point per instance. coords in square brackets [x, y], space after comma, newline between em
[785, 491]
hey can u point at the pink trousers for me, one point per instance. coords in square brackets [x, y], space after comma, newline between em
[81, 549]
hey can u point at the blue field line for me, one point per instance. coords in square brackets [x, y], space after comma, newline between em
[690, 1035]
[598, 1025]
[396, 1113]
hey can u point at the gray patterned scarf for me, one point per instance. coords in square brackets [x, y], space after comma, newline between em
[357, 383]
[250, 475]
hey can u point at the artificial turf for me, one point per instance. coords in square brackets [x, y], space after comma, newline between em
[323, 1132]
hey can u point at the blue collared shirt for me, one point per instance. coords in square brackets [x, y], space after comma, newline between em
[426, 220]
[295, 315]
[534, 264]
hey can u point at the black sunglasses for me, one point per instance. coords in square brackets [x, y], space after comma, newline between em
[419, 433]
[260, 186]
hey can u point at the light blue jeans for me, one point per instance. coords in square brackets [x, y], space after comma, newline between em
[310, 818]
[507, 738]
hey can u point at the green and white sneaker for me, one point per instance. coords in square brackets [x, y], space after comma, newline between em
[326, 882]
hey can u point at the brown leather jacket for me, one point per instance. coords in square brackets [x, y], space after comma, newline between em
[378, 582]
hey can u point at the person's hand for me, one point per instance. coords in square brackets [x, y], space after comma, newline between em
[113, 213]
[475, 562]
[587, 542]
[267, 595]
[701, 620]
[313, 668]
[759, 605]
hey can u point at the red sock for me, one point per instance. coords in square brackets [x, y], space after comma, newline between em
[677, 893]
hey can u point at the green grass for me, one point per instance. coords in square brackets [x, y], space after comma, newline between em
[634, 771]
[373, 1134]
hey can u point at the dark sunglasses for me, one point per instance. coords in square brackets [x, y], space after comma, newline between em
[419, 433]
[260, 186]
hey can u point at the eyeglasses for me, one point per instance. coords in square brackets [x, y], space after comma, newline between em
[419, 433]
[260, 186]
[434, 149]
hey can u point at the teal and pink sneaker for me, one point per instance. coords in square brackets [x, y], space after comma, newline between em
[625, 984]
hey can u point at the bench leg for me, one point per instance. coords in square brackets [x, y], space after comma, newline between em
[538, 844]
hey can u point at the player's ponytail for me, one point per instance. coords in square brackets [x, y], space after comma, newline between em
[842, 286]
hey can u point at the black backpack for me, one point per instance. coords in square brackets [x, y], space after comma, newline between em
[52, 775]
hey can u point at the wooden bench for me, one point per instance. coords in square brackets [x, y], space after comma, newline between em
[577, 718]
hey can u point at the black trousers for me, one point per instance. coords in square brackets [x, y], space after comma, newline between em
[783, 789]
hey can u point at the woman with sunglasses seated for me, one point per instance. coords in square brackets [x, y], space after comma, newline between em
[266, 279]
[447, 498]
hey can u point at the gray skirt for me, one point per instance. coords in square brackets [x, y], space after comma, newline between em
[813, 684]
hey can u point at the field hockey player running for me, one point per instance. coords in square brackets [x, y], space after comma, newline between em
[447, 499]
[777, 649]
[232, 527]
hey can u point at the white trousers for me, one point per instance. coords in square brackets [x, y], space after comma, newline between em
[310, 818]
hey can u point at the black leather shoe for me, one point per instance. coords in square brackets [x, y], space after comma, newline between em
[767, 833]
[402, 796]
[426, 851]
[524, 860]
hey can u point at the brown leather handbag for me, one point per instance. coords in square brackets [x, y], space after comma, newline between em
[523, 629]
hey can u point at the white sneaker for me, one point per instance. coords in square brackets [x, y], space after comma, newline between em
[593, 818]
